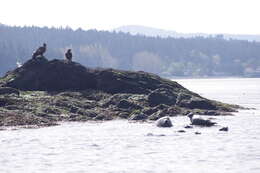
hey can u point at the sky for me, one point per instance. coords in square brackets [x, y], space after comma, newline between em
[186, 16]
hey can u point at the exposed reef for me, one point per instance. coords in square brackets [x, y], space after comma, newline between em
[43, 93]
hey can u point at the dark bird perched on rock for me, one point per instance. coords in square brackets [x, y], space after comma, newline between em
[40, 51]
[68, 55]
[199, 121]
[164, 122]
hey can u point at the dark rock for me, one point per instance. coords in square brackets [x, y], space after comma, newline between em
[182, 97]
[161, 107]
[164, 122]
[162, 96]
[154, 111]
[168, 111]
[6, 102]
[125, 104]
[188, 127]
[43, 75]
[74, 109]
[157, 115]
[198, 103]
[181, 131]
[138, 116]
[52, 111]
[150, 111]
[102, 117]
[197, 133]
[225, 129]
[173, 111]
[151, 134]
[8, 90]
[124, 115]
[212, 112]
[17, 119]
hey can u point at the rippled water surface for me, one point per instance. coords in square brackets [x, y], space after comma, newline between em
[120, 146]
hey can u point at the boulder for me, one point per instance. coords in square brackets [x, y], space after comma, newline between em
[225, 129]
[162, 96]
[125, 104]
[8, 90]
[43, 75]
[137, 115]
[198, 103]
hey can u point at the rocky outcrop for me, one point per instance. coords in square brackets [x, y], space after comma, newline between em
[46, 92]
[8, 90]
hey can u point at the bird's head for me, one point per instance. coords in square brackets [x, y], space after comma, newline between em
[44, 44]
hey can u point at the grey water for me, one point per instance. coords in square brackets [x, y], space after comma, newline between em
[120, 146]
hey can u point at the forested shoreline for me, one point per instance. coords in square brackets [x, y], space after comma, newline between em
[183, 57]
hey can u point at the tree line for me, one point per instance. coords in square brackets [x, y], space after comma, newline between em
[184, 57]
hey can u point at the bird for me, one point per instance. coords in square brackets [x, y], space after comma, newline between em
[40, 51]
[68, 55]
[199, 121]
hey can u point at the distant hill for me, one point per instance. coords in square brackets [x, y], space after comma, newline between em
[154, 32]
[196, 56]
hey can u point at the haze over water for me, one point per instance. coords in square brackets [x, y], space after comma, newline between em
[120, 146]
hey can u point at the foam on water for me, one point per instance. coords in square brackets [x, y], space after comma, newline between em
[120, 146]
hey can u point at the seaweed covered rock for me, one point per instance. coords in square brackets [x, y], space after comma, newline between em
[8, 90]
[162, 96]
[42, 75]
[45, 92]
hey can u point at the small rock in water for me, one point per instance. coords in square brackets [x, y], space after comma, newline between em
[197, 133]
[188, 127]
[138, 116]
[225, 129]
[181, 131]
[164, 122]
[151, 134]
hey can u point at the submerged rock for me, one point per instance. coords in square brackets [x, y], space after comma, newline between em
[197, 133]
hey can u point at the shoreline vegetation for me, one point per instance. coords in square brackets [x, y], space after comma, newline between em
[44, 93]
[183, 57]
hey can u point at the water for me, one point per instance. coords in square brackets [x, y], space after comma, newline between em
[120, 146]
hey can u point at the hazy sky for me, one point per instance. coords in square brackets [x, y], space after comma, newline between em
[209, 16]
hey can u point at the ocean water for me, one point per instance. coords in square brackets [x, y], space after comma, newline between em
[120, 146]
